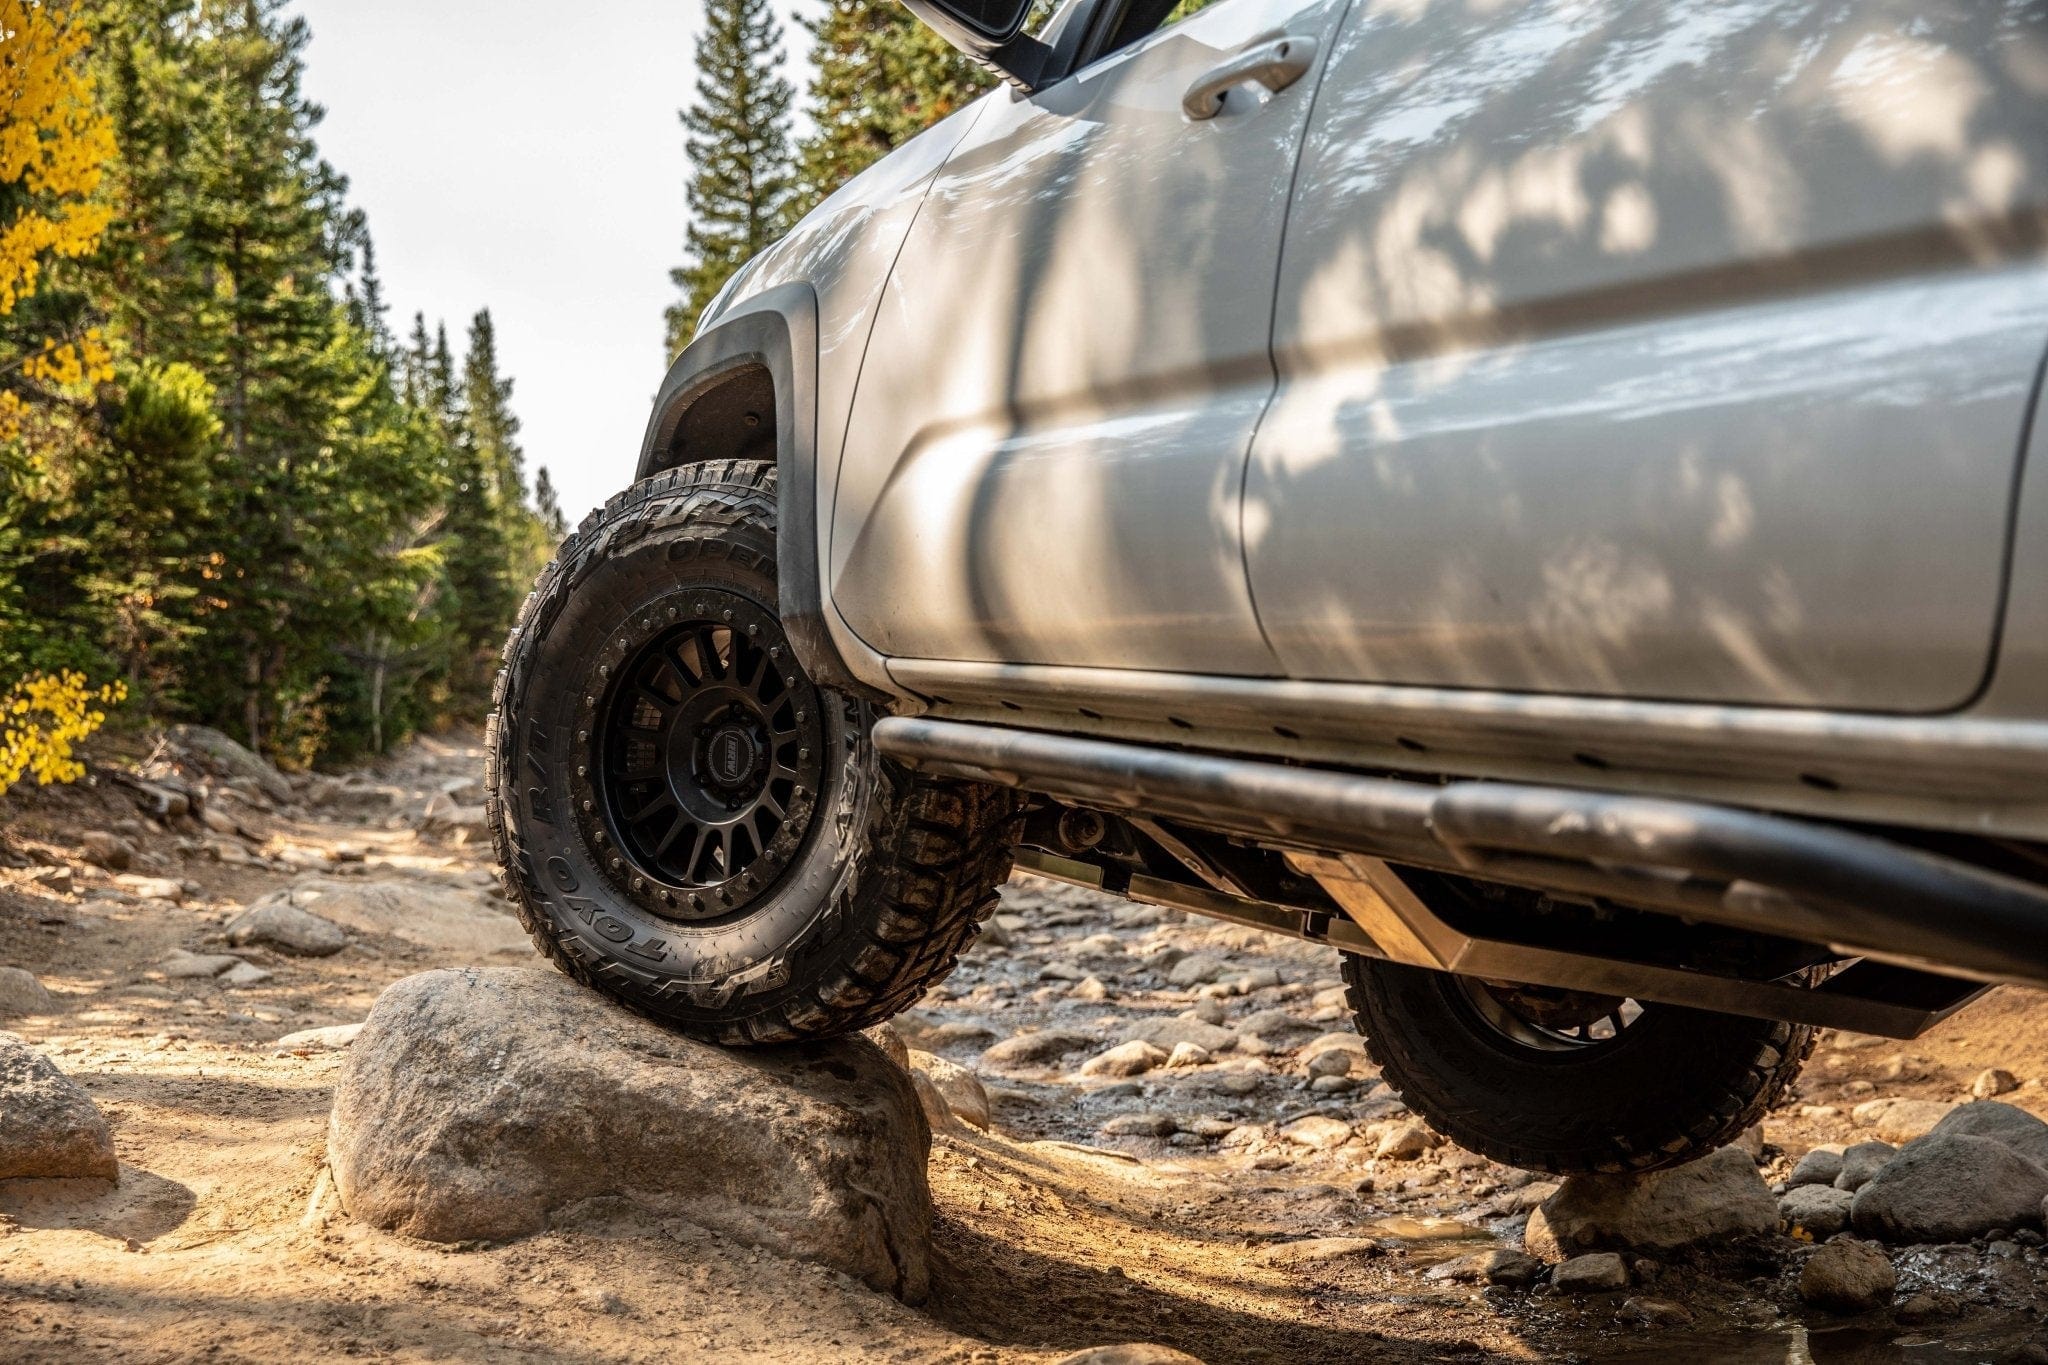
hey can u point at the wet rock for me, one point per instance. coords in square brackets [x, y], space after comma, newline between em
[2003, 1123]
[1950, 1187]
[1925, 1306]
[1036, 1049]
[1404, 1142]
[1815, 1212]
[21, 993]
[1993, 1081]
[1862, 1161]
[965, 1095]
[1133, 1353]
[1642, 1312]
[106, 850]
[184, 966]
[1168, 1033]
[1595, 1273]
[1719, 1196]
[282, 925]
[49, 1127]
[1900, 1121]
[1821, 1166]
[1134, 1058]
[450, 918]
[477, 1104]
[1847, 1276]
[152, 888]
[332, 1038]
[217, 753]
[1319, 1131]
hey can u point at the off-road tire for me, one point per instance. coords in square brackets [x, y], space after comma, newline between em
[870, 904]
[1673, 1085]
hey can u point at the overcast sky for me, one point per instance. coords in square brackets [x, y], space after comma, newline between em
[509, 160]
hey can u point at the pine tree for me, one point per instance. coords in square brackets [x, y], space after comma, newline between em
[738, 148]
[548, 506]
[879, 78]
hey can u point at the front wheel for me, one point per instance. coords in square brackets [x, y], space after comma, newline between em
[1564, 1081]
[684, 820]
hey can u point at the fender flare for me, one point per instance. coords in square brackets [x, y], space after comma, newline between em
[776, 329]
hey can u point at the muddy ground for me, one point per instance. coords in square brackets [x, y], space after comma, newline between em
[1177, 1207]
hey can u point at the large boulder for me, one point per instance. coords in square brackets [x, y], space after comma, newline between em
[448, 918]
[1716, 1197]
[48, 1126]
[1950, 1187]
[2004, 1123]
[215, 751]
[478, 1103]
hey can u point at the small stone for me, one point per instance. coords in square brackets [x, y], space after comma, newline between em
[1036, 1049]
[282, 925]
[1862, 1161]
[1847, 1276]
[1925, 1306]
[58, 879]
[1167, 1033]
[1330, 1062]
[1821, 1166]
[1141, 1125]
[1186, 1054]
[1590, 1274]
[1642, 1312]
[244, 974]
[1901, 1121]
[965, 1095]
[152, 888]
[1993, 1081]
[21, 993]
[1508, 1267]
[1130, 1353]
[332, 1038]
[184, 966]
[885, 1037]
[1312, 1250]
[110, 851]
[1209, 1010]
[1258, 979]
[49, 1127]
[1134, 1058]
[1089, 988]
[1405, 1142]
[955, 1033]
[1332, 1085]
[1318, 1131]
[1815, 1212]
[1196, 969]
[1267, 1023]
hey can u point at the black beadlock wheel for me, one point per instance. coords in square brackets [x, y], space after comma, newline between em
[1566, 1082]
[686, 821]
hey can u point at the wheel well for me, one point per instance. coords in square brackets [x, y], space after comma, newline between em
[733, 419]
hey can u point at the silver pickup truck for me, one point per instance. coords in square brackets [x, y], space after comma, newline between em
[1544, 499]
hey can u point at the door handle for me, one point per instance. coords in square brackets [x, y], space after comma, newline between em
[1275, 63]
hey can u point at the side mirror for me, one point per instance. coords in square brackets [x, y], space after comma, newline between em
[991, 32]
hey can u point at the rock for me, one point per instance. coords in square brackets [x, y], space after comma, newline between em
[446, 816]
[477, 1103]
[284, 926]
[1134, 1058]
[885, 1037]
[1186, 1054]
[21, 993]
[106, 850]
[59, 879]
[1311, 1250]
[937, 1113]
[1928, 1305]
[1133, 1353]
[49, 1127]
[1590, 1274]
[184, 966]
[1319, 1131]
[1993, 1081]
[1089, 988]
[955, 1033]
[1815, 1212]
[1719, 1196]
[244, 974]
[1169, 1033]
[1196, 969]
[152, 888]
[333, 1038]
[1950, 1187]
[1209, 1010]
[1036, 1049]
[1141, 1125]
[1847, 1276]
[2005, 1123]
[1268, 1023]
[1901, 1121]
[1404, 1142]
[216, 752]
[1333, 1061]
[1642, 1312]
[965, 1095]
[1500, 1266]
[1821, 1166]
[1862, 1161]
[442, 917]
[1528, 1198]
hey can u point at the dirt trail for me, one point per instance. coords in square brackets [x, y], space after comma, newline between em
[1234, 1207]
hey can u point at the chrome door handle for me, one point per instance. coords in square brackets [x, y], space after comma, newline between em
[1276, 64]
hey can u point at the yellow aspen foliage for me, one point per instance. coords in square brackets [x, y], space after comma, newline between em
[42, 717]
[54, 141]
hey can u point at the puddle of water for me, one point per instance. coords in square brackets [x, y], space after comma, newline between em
[1402, 1229]
[1797, 1344]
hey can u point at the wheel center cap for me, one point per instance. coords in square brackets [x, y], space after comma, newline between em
[730, 755]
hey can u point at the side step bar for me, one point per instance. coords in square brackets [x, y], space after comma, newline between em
[1862, 896]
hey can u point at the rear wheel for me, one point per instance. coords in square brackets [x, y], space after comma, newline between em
[1564, 1081]
[684, 820]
